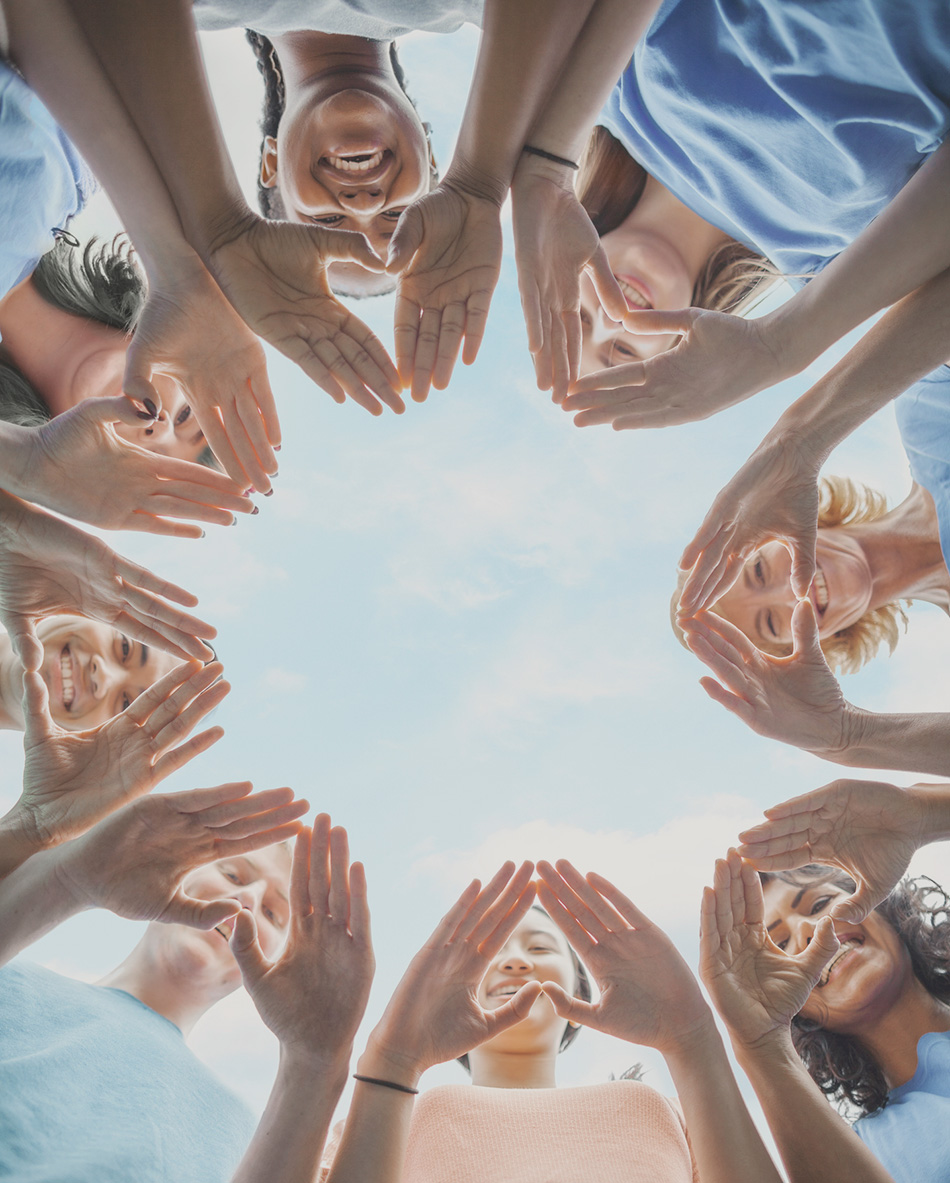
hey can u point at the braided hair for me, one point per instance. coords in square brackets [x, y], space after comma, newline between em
[275, 99]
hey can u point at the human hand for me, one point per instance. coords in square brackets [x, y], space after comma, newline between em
[756, 987]
[773, 497]
[135, 861]
[447, 250]
[869, 830]
[190, 332]
[435, 1015]
[647, 993]
[275, 275]
[555, 241]
[73, 779]
[78, 466]
[314, 994]
[48, 566]
[796, 699]
[719, 360]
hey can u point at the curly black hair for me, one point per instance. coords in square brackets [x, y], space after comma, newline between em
[275, 98]
[919, 912]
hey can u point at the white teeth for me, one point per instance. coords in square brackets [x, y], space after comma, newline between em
[821, 590]
[356, 164]
[66, 669]
[633, 296]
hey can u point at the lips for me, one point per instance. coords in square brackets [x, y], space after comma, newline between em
[848, 945]
[357, 168]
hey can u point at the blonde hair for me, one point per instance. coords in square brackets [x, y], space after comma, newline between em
[842, 502]
[610, 183]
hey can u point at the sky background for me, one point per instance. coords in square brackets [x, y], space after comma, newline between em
[450, 630]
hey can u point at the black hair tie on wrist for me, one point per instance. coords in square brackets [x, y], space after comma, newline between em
[549, 156]
[386, 1084]
[61, 235]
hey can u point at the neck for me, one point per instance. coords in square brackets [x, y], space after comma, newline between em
[149, 979]
[308, 57]
[903, 552]
[892, 1038]
[512, 1070]
[11, 687]
[47, 344]
[695, 238]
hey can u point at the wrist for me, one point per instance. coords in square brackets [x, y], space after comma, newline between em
[19, 460]
[771, 1047]
[329, 1066]
[19, 840]
[225, 223]
[789, 334]
[931, 809]
[532, 167]
[694, 1040]
[471, 180]
[386, 1064]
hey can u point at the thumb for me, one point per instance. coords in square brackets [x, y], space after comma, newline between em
[351, 245]
[803, 567]
[25, 642]
[207, 914]
[115, 410]
[611, 298]
[856, 907]
[514, 1010]
[650, 320]
[246, 949]
[805, 631]
[38, 722]
[823, 945]
[566, 1005]
[406, 240]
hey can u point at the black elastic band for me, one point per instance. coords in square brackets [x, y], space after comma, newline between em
[387, 1084]
[62, 235]
[549, 156]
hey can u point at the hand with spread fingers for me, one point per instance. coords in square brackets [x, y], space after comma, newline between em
[190, 332]
[134, 863]
[435, 1015]
[74, 779]
[555, 243]
[48, 566]
[796, 699]
[719, 360]
[446, 250]
[647, 993]
[755, 986]
[275, 276]
[77, 465]
[773, 497]
[314, 994]
[870, 830]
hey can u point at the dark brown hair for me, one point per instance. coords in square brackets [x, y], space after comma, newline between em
[919, 912]
[609, 185]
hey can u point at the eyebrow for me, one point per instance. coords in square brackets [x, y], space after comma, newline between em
[795, 902]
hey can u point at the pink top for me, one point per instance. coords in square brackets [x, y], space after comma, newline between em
[618, 1132]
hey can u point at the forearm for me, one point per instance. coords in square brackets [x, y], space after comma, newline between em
[373, 1146]
[904, 247]
[726, 1145]
[61, 66]
[908, 743]
[289, 1141]
[522, 52]
[596, 61]
[33, 900]
[150, 53]
[814, 1142]
[912, 339]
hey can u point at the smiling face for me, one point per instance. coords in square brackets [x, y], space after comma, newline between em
[761, 601]
[93, 671]
[175, 432]
[351, 153]
[652, 274]
[537, 951]
[864, 979]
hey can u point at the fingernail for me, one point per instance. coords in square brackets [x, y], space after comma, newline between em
[142, 415]
[269, 493]
[256, 509]
[202, 534]
[150, 407]
[277, 447]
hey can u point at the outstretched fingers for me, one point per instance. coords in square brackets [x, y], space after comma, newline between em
[502, 916]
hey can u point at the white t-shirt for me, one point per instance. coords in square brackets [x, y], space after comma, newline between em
[379, 20]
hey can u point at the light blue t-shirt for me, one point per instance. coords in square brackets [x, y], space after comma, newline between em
[379, 20]
[923, 419]
[95, 1087]
[43, 180]
[788, 124]
[911, 1134]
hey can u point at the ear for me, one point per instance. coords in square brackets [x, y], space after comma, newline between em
[269, 162]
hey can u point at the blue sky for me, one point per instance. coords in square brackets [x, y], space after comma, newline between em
[450, 630]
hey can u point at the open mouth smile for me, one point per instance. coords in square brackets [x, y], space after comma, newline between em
[68, 676]
[634, 291]
[359, 166]
[819, 590]
[847, 946]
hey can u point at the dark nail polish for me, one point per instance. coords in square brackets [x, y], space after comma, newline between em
[269, 493]
[150, 407]
[203, 535]
[256, 509]
[276, 447]
[143, 415]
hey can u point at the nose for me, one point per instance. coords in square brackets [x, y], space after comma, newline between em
[362, 201]
[159, 432]
[514, 961]
[249, 895]
[104, 676]
[801, 931]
